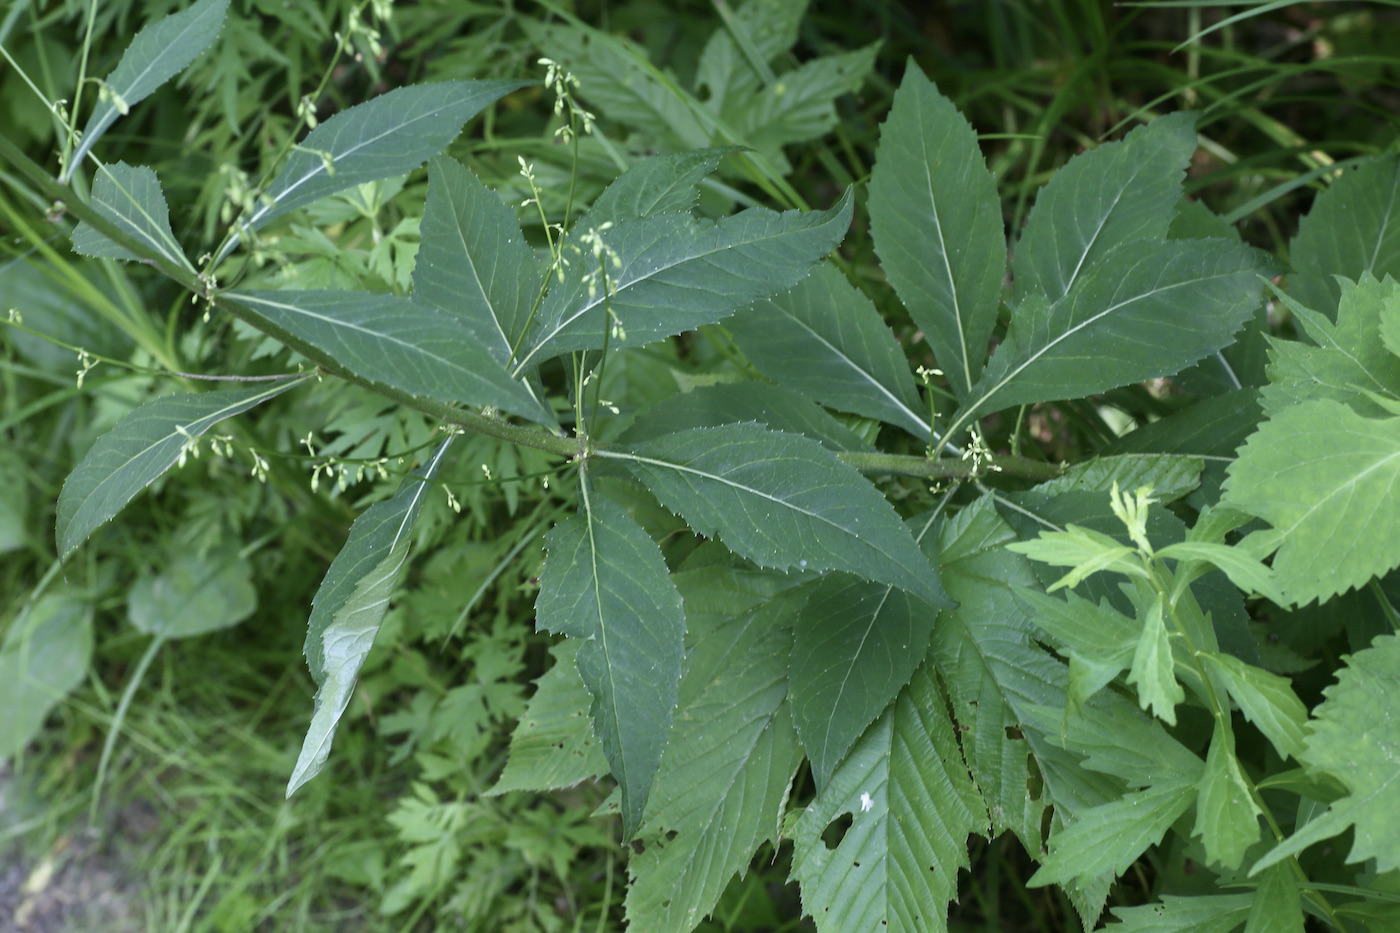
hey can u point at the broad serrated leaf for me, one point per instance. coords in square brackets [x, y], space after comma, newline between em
[44, 657]
[771, 28]
[782, 501]
[142, 446]
[1247, 573]
[1110, 837]
[554, 745]
[1277, 906]
[349, 606]
[725, 772]
[1350, 358]
[1353, 227]
[672, 273]
[1356, 740]
[1115, 737]
[1118, 192]
[1227, 818]
[193, 594]
[1147, 309]
[911, 807]
[1266, 699]
[855, 646]
[1218, 913]
[1098, 639]
[824, 338]
[1213, 427]
[394, 133]
[935, 218]
[392, 342]
[129, 197]
[606, 584]
[663, 184]
[474, 263]
[1170, 476]
[1324, 477]
[780, 408]
[159, 52]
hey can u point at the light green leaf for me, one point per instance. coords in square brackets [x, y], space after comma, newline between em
[1277, 906]
[605, 583]
[1115, 737]
[130, 198]
[1324, 477]
[911, 806]
[1266, 699]
[1227, 818]
[1112, 194]
[1351, 358]
[936, 221]
[349, 606]
[553, 745]
[1171, 476]
[1110, 837]
[673, 273]
[474, 264]
[1219, 913]
[780, 408]
[782, 501]
[725, 772]
[1353, 227]
[824, 338]
[1153, 669]
[1356, 740]
[1098, 639]
[855, 646]
[1087, 551]
[389, 135]
[44, 657]
[142, 446]
[393, 342]
[1248, 574]
[193, 595]
[160, 51]
[1148, 308]
[662, 184]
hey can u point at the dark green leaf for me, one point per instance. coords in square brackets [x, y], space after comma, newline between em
[1324, 477]
[44, 657]
[782, 501]
[1118, 192]
[605, 583]
[393, 342]
[1354, 227]
[1211, 427]
[143, 445]
[1277, 906]
[663, 184]
[672, 273]
[935, 218]
[349, 606]
[1170, 476]
[824, 338]
[1219, 913]
[160, 51]
[130, 198]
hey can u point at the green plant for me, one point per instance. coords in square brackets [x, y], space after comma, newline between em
[890, 633]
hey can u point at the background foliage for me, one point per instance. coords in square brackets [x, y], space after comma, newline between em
[175, 693]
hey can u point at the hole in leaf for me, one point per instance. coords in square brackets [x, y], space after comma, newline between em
[1013, 732]
[670, 835]
[836, 831]
[638, 846]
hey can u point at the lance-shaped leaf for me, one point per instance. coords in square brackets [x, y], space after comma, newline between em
[393, 342]
[1227, 818]
[726, 769]
[911, 806]
[474, 263]
[389, 135]
[936, 221]
[351, 603]
[1148, 309]
[1356, 739]
[142, 446]
[1324, 477]
[160, 51]
[1277, 907]
[854, 648]
[672, 273]
[130, 197]
[1353, 227]
[1266, 699]
[824, 338]
[782, 501]
[553, 745]
[1118, 192]
[606, 584]
[1219, 913]
[662, 184]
